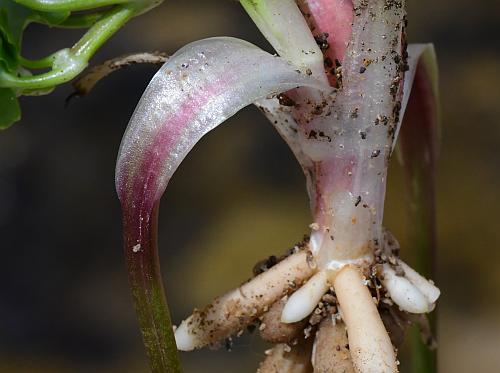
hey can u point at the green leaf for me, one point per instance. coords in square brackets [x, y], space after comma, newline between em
[10, 112]
[418, 151]
[13, 20]
[11, 26]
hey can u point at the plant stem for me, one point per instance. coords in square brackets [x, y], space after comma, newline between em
[419, 136]
[284, 26]
[141, 253]
[41, 81]
[75, 59]
[101, 31]
[37, 64]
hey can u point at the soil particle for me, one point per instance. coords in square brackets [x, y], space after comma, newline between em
[228, 344]
[381, 119]
[285, 100]
[328, 63]
[322, 41]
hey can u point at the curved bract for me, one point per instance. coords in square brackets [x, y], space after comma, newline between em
[200, 86]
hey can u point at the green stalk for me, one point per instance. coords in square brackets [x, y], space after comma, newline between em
[37, 64]
[141, 253]
[419, 150]
[66, 64]
[284, 26]
[42, 81]
[422, 239]
[101, 31]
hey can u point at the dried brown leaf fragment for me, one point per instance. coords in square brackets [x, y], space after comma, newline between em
[91, 77]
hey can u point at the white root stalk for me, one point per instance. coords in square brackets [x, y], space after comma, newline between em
[301, 303]
[369, 343]
[238, 308]
[331, 348]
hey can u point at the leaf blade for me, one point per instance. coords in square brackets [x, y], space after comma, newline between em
[11, 112]
[418, 151]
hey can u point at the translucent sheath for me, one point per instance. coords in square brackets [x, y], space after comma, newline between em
[199, 87]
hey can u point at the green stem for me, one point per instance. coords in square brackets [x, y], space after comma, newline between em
[422, 238]
[37, 64]
[295, 44]
[418, 140]
[101, 31]
[68, 5]
[41, 81]
[73, 61]
[141, 253]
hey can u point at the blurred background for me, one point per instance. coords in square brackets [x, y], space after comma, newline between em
[240, 196]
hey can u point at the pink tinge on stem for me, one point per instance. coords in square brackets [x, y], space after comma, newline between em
[335, 18]
[331, 175]
[343, 143]
[350, 143]
[332, 17]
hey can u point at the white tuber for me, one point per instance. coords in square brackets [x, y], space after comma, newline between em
[403, 292]
[301, 303]
[426, 287]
